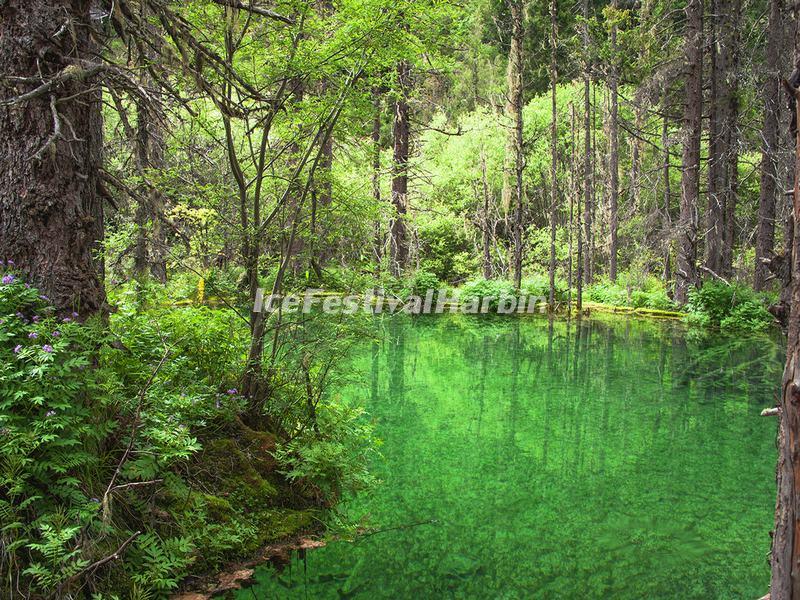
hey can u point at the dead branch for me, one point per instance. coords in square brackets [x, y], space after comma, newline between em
[256, 10]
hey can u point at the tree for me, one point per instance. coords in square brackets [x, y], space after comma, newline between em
[771, 185]
[613, 81]
[723, 164]
[588, 165]
[401, 130]
[686, 271]
[51, 213]
[785, 581]
[553, 149]
[514, 110]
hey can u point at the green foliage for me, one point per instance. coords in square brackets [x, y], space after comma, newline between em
[539, 285]
[421, 282]
[628, 291]
[446, 250]
[728, 307]
[159, 565]
[335, 455]
[494, 289]
[74, 395]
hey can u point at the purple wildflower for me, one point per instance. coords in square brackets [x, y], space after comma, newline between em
[56, 334]
[74, 315]
[47, 348]
[36, 318]
[66, 320]
[232, 392]
[17, 348]
[33, 335]
[10, 263]
[7, 279]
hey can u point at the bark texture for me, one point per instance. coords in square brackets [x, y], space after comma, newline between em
[51, 216]
[686, 272]
[770, 189]
[785, 583]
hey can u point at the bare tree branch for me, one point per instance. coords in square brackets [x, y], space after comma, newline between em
[256, 10]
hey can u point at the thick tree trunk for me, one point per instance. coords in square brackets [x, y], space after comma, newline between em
[686, 272]
[51, 216]
[398, 242]
[514, 110]
[770, 193]
[785, 583]
[614, 154]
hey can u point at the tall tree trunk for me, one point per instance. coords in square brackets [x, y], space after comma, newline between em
[398, 242]
[667, 218]
[377, 107]
[770, 191]
[636, 158]
[150, 254]
[729, 44]
[614, 154]
[686, 272]
[51, 216]
[785, 582]
[572, 194]
[553, 149]
[588, 166]
[579, 240]
[723, 137]
[514, 109]
[717, 180]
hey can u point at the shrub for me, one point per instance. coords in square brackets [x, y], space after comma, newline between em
[648, 293]
[76, 397]
[729, 307]
[421, 282]
[494, 289]
[539, 285]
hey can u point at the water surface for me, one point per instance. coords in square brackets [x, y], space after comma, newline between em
[525, 458]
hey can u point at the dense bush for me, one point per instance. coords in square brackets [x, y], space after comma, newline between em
[539, 285]
[729, 307]
[647, 292]
[421, 282]
[446, 251]
[494, 289]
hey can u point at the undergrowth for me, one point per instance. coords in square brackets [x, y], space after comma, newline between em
[129, 438]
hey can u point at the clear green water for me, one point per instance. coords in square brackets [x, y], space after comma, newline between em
[528, 459]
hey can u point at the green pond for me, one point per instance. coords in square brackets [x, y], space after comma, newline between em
[527, 458]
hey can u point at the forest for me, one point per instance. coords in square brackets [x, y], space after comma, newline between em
[631, 168]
